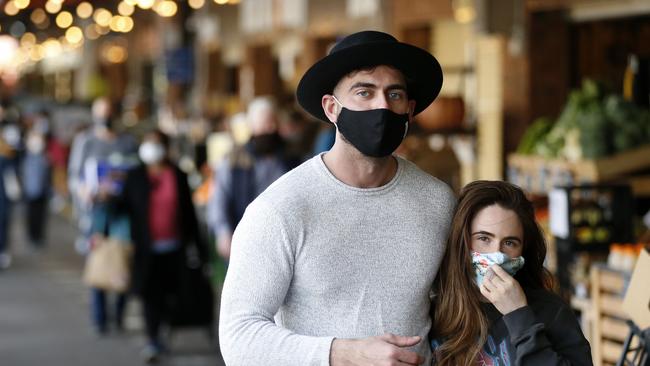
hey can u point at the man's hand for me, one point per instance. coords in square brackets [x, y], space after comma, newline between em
[387, 349]
[503, 291]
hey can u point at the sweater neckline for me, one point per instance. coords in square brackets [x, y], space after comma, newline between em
[374, 190]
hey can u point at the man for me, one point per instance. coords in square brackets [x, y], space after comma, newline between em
[333, 264]
[246, 172]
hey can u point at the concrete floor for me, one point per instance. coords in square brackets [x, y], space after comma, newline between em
[44, 312]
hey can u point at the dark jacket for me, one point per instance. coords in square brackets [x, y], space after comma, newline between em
[135, 200]
[545, 333]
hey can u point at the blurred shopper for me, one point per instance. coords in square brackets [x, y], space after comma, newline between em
[492, 287]
[36, 177]
[9, 184]
[246, 172]
[98, 158]
[157, 198]
[331, 265]
[298, 134]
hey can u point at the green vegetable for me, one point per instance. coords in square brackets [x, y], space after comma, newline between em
[591, 125]
[535, 133]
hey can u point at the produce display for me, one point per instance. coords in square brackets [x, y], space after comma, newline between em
[592, 125]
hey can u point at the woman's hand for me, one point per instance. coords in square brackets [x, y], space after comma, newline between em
[502, 290]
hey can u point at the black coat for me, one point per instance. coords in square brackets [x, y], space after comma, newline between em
[135, 200]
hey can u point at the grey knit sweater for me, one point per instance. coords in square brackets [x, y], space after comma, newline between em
[314, 259]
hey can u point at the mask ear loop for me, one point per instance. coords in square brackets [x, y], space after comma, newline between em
[340, 110]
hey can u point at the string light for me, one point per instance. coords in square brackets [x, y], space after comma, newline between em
[166, 8]
[196, 4]
[11, 9]
[21, 4]
[125, 9]
[74, 35]
[102, 17]
[64, 19]
[28, 40]
[85, 10]
[52, 7]
[145, 4]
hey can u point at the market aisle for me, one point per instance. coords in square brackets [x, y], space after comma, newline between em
[44, 315]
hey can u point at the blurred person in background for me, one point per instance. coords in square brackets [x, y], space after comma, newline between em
[298, 134]
[492, 287]
[157, 197]
[246, 172]
[97, 155]
[36, 177]
[10, 141]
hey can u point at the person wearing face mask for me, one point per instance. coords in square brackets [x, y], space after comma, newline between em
[246, 172]
[36, 174]
[492, 287]
[332, 264]
[95, 155]
[157, 197]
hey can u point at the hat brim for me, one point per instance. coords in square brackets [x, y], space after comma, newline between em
[421, 70]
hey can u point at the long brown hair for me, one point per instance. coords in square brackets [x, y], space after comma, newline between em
[458, 319]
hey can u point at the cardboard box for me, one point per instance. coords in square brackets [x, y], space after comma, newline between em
[637, 298]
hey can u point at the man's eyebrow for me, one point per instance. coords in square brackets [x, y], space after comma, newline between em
[361, 84]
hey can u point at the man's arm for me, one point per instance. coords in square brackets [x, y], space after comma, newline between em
[259, 274]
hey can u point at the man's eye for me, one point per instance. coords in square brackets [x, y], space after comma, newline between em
[363, 93]
[396, 95]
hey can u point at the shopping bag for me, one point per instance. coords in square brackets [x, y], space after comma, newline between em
[108, 265]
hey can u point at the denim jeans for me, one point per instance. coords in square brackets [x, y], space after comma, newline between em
[99, 309]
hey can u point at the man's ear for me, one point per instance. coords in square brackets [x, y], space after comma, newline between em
[330, 107]
[411, 110]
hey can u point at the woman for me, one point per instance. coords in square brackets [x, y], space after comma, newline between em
[493, 303]
[163, 222]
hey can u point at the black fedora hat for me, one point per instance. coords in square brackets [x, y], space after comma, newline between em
[366, 49]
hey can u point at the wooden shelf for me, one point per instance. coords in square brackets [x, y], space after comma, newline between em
[539, 175]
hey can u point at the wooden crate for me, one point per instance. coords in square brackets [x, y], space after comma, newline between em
[608, 325]
[538, 175]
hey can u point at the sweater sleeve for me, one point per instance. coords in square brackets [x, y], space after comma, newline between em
[259, 274]
[559, 342]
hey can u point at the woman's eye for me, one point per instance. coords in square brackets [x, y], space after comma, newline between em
[511, 243]
[483, 238]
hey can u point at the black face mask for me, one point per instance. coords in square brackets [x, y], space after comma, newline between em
[375, 132]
